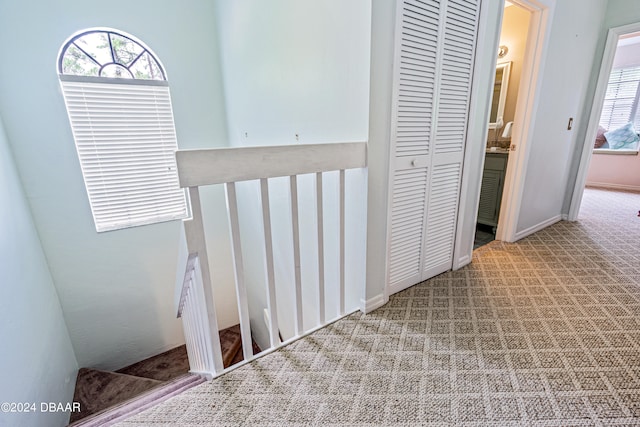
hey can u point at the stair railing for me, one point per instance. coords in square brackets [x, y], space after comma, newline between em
[195, 323]
[197, 168]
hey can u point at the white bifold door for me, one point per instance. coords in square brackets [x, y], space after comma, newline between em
[433, 66]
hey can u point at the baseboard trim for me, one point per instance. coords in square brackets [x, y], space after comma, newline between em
[614, 186]
[462, 261]
[544, 224]
[367, 306]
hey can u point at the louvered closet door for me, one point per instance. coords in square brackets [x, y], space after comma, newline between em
[435, 43]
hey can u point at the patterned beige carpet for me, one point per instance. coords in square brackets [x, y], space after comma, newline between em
[543, 332]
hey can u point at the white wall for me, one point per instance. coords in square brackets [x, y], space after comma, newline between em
[614, 171]
[116, 288]
[621, 12]
[295, 67]
[575, 31]
[515, 27]
[37, 363]
[381, 78]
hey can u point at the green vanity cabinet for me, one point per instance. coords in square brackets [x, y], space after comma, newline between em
[495, 167]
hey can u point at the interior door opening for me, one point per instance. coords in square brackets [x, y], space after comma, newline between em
[611, 145]
[509, 66]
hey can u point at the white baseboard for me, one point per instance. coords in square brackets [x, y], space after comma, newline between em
[367, 306]
[544, 224]
[614, 186]
[462, 261]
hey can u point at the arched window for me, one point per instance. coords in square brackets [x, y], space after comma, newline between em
[117, 97]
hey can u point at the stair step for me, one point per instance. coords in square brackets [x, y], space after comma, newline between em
[162, 367]
[137, 404]
[102, 392]
[230, 344]
[97, 390]
[240, 355]
[175, 362]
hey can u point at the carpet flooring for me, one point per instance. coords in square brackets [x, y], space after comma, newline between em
[542, 332]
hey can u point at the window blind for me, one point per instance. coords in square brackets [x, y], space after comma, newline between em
[621, 99]
[126, 143]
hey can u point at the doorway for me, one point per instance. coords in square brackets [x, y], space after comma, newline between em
[509, 69]
[610, 152]
[541, 12]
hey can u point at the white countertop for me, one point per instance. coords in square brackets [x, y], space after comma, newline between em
[497, 150]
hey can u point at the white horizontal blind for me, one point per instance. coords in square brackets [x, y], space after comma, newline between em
[621, 99]
[126, 142]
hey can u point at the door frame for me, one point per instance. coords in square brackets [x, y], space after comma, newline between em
[596, 110]
[525, 114]
[542, 12]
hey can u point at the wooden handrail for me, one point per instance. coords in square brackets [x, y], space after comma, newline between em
[221, 165]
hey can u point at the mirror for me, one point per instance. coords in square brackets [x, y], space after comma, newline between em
[499, 97]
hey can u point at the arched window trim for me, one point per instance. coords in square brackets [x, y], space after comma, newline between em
[71, 41]
[111, 80]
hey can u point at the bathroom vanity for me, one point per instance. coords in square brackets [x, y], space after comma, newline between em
[495, 167]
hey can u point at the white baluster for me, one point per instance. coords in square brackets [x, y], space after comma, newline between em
[321, 304]
[342, 243]
[271, 282]
[238, 268]
[299, 327]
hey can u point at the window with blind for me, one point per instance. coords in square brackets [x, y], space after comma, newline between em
[621, 99]
[117, 97]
